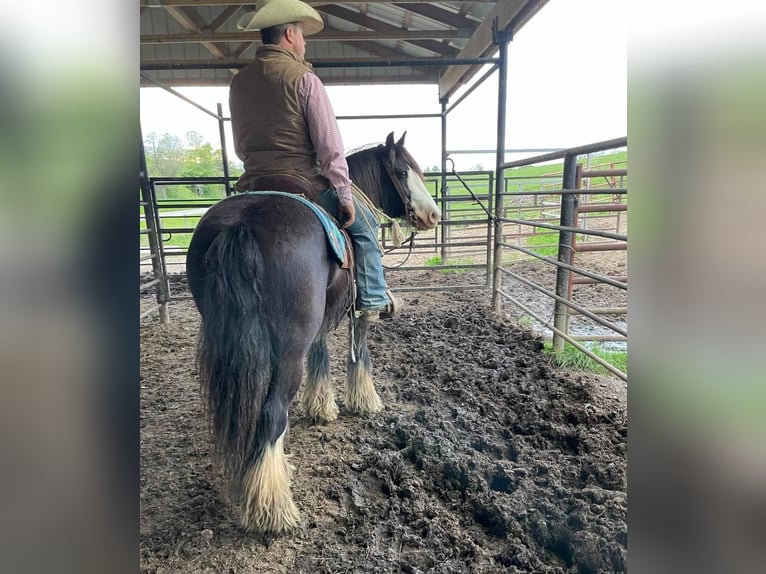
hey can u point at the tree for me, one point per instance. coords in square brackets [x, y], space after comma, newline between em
[194, 139]
[168, 156]
[164, 157]
[201, 160]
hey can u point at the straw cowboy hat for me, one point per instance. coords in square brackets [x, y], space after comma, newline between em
[275, 12]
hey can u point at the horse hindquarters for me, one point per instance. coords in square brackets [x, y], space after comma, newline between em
[237, 367]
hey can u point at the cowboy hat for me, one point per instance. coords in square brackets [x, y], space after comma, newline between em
[275, 12]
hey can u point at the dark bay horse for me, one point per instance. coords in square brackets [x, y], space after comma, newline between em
[269, 290]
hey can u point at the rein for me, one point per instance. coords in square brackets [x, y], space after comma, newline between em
[396, 232]
[411, 217]
[411, 241]
[397, 237]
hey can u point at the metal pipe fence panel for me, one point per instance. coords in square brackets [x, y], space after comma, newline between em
[521, 242]
[460, 242]
[563, 239]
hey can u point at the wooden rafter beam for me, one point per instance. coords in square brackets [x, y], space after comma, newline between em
[227, 13]
[382, 52]
[189, 18]
[241, 49]
[326, 35]
[383, 28]
[193, 22]
[510, 15]
[440, 15]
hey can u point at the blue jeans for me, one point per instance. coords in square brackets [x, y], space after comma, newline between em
[370, 282]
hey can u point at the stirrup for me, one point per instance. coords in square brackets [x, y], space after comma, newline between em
[392, 308]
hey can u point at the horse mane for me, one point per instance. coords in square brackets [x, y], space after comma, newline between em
[365, 168]
[412, 163]
[404, 153]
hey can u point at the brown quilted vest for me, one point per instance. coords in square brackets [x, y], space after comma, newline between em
[270, 131]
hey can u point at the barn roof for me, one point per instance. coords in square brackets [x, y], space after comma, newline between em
[196, 42]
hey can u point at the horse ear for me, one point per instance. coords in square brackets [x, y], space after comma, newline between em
[390, 141]
[400, 143]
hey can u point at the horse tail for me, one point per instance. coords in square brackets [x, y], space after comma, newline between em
[235, 353]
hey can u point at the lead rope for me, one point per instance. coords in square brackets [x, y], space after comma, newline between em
[351, 321]
[397, 236]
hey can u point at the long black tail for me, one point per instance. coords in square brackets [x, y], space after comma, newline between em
[235, 355]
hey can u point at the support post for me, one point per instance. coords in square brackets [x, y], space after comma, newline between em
[566, 239]
[490, 247]
[444, 189]
[149, 199]
[502, 38]
[224, 154]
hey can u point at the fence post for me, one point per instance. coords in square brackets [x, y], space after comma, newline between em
[149, 199]
[502, 38]
[444, 188]
[224, 155]
[490, 208]
[567, 219]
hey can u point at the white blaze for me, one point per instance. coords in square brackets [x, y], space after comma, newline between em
[422, 202]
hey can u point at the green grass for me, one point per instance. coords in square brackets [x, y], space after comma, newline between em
[452, 266]
[525, 321]
[171, 239]
[520, 180]
[544, 243]
[573, 358]
[619, 159]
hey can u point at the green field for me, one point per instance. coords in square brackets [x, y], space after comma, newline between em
[518, 180]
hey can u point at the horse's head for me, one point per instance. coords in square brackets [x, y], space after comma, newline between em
[407, 178]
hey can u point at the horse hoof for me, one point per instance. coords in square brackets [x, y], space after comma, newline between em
[368, 405]
[319, 411]
[361, 397]
[324, 417]
[278, 519]
[267, 505]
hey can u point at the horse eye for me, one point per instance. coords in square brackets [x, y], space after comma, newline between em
[402, 174]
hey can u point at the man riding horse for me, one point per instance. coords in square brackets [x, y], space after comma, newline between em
[268, 284]
[286, 134]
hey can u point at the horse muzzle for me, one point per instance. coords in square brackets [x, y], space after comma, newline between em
[428, 220]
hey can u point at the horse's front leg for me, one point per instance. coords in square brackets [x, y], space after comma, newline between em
[318, 398]
[361, 396]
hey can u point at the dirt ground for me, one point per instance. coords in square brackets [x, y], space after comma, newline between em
[486, 458]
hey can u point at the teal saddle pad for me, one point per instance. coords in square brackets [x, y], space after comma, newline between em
[334, 237]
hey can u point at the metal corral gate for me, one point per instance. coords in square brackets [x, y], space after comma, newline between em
[527, 240]
[585, 214]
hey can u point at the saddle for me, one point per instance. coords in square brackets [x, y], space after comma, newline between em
[300, 187]
[287, 182]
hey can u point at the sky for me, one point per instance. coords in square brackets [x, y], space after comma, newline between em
[567, 86]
